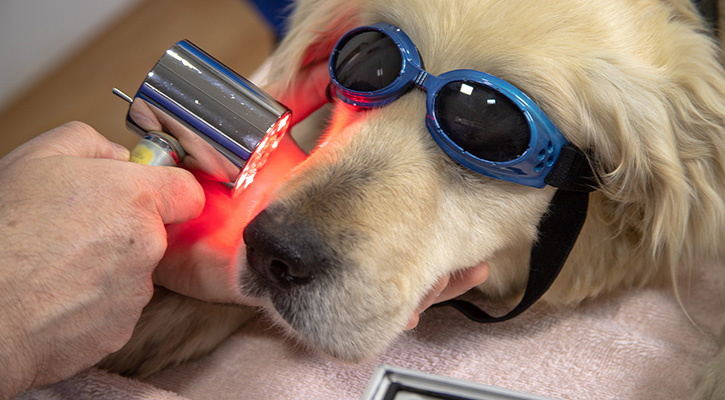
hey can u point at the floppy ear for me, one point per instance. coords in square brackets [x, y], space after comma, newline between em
[313, 29]
[658, 132]
[654, 118]
[670, 177]
[697, 105]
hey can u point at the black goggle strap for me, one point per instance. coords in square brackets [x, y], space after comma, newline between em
[558, 231]
[330, 93]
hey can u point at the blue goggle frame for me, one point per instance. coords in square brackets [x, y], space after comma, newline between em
[545, 141]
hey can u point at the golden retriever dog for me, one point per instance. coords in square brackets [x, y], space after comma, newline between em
[379, 211]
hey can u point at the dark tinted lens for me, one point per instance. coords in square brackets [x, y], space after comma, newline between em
[367, 61]
[482, 121]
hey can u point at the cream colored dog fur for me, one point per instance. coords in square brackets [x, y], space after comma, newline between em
[637, 83]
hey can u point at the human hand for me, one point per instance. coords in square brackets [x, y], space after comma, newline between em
[82, 230]
[449, 287]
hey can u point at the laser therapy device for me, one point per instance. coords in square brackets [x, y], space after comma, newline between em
[194, 110]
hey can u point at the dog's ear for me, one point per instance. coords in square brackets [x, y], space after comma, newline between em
[660, 147]
[697, 106]
[313, 29]
[652, 113]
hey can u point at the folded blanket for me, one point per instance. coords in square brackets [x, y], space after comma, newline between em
[635, 345]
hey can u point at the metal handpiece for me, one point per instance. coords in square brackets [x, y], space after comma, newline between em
[210, 117]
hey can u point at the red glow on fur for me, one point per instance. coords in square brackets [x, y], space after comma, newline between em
[223, 219]
[201, 257]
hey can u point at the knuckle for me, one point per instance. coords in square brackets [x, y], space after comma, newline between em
[148, 243]
[73, 137]
[78, 128]
[77, 125]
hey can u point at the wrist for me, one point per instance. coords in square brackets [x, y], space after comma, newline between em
[15, 362]
[16, 355]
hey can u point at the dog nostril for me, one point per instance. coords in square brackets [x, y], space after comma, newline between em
[283, 253]
[283, 272]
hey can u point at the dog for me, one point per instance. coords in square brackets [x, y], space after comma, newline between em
[379, 212]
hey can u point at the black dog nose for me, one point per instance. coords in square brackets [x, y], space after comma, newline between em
[285, 253]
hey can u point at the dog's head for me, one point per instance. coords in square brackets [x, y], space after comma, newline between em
[361, 230]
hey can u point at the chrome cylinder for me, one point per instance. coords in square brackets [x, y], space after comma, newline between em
[217, 116]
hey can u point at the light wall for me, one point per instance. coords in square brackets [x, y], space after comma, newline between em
[38, 35]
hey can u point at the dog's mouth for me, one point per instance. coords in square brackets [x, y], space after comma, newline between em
[310, 287]
[320, 314]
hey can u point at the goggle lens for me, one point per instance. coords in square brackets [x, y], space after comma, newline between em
[482, 121]
[367, 61]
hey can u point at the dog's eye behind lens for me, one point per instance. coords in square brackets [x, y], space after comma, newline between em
[367, 62]
[482, 121]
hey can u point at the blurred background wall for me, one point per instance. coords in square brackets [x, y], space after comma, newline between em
[37, 35]
[59, 60]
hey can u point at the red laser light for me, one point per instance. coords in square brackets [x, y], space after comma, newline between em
[260, 155]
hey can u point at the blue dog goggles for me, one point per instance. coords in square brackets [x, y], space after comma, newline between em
[481, 121]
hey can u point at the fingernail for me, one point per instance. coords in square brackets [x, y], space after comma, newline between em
[413, 322]
[121, 152]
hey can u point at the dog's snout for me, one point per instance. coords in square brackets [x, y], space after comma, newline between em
[282, 252]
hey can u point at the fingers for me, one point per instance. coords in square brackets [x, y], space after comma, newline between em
[449, 287]
[76, 139]
[463, 281]
[413, 321]
[428, 300]
[434, 293]
[176, 194]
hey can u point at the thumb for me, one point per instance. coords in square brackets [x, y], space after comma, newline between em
[176, 194]
[76, 139]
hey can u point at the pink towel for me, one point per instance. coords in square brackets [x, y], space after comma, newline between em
[638, 345]
[97, 384]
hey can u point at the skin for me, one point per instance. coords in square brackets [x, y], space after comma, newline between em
[82, 230]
